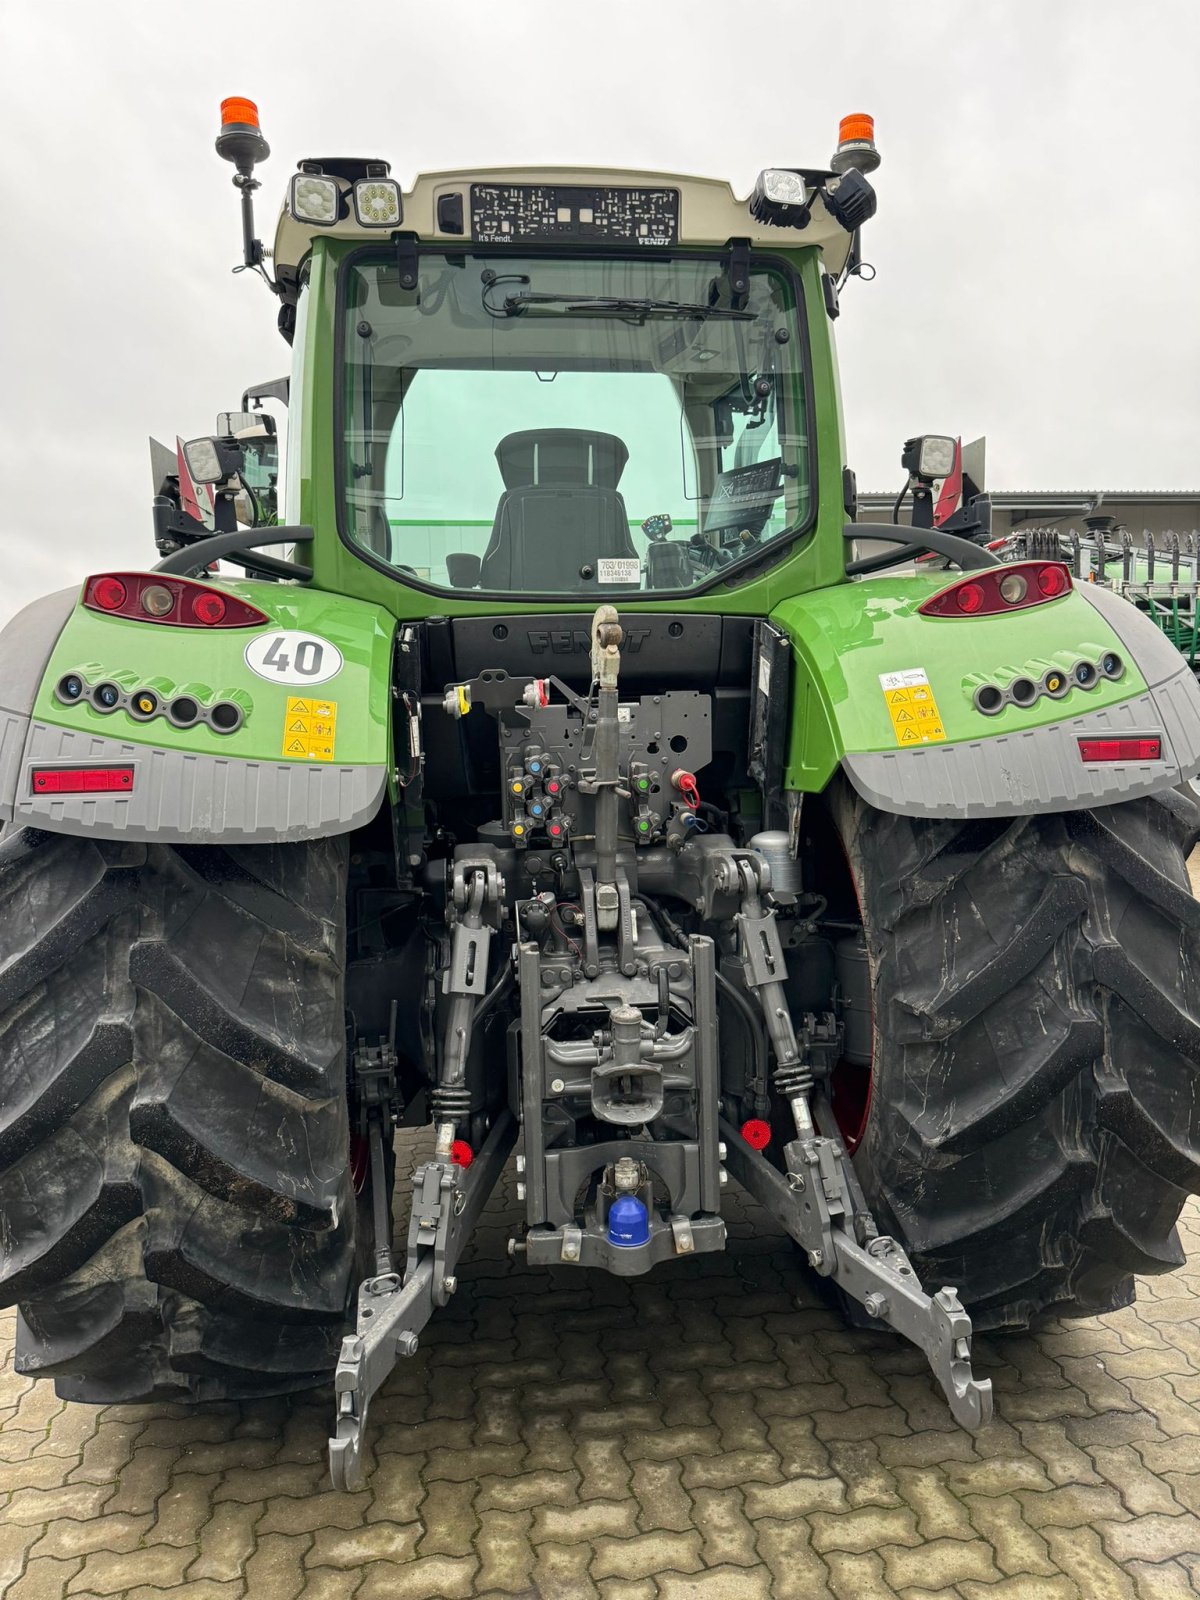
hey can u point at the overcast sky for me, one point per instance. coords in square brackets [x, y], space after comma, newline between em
[1036, 244]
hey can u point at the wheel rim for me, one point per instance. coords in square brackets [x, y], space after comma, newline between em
[360, 1161]
[850, 1086]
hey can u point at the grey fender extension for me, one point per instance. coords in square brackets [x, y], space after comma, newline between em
[1038, 770]
[183, 798]
[26, 646]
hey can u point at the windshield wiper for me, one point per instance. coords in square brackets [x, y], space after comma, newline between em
[599, 305]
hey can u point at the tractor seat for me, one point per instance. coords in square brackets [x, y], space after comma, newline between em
[560, 509]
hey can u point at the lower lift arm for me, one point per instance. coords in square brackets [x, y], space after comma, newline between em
[813, 1203]
[446, 1198]
[817, 1199]
[446, 1203]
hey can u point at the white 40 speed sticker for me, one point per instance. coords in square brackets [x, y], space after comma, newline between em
[292, 657]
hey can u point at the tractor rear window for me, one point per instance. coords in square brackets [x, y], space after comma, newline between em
[570, 427]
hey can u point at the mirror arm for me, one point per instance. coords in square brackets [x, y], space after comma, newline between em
[970, 557]
[235, 547]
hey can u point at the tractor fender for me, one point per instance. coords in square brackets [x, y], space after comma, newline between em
[888, 695]
[305, 757]
[26, 645]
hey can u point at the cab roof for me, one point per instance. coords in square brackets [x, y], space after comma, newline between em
[709, 212]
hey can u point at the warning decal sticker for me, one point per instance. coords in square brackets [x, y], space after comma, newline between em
[308, 730]
[911, 706]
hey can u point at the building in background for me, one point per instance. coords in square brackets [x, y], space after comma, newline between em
[1158, 512]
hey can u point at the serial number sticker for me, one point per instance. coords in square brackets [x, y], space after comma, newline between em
[292, 657]
[912, 707]
[309, 729]
[619, 569]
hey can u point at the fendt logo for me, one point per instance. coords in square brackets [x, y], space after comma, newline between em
[578, 641]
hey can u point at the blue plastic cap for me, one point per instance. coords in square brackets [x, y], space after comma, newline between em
[628, 1222]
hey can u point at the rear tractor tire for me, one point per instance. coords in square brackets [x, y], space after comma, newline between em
[1033, 1124]
[176, 1212]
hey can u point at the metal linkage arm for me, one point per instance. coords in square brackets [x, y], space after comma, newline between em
[606, 666]
[796, 1050]
[446, 1204]
[814, 1202]
[476, 897]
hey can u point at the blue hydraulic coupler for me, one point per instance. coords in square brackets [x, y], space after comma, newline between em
[628, 1222]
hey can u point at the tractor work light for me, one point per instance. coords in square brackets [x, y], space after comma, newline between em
[1142, 747]
[312, 198]
[850, 200]
[144, 597]
[929, 455]
[212, 460]
[780, 199]
[1000, 589]
[377, 203]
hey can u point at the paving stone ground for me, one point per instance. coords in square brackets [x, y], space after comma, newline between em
[695, 1434]
[712, 1432]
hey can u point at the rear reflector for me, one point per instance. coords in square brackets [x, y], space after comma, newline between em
[82, 780]
[1120, 749]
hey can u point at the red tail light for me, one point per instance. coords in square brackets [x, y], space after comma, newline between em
[108, 594]
[180, 602]
[1000, 589]
[82, 780]
[1136, 749]
[756, 1133]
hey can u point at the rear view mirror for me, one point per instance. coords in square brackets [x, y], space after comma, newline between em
[260, 471]
[238, 422]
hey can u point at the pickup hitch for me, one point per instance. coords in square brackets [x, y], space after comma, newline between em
[446, 1203]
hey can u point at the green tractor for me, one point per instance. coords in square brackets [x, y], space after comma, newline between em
[570, 766]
